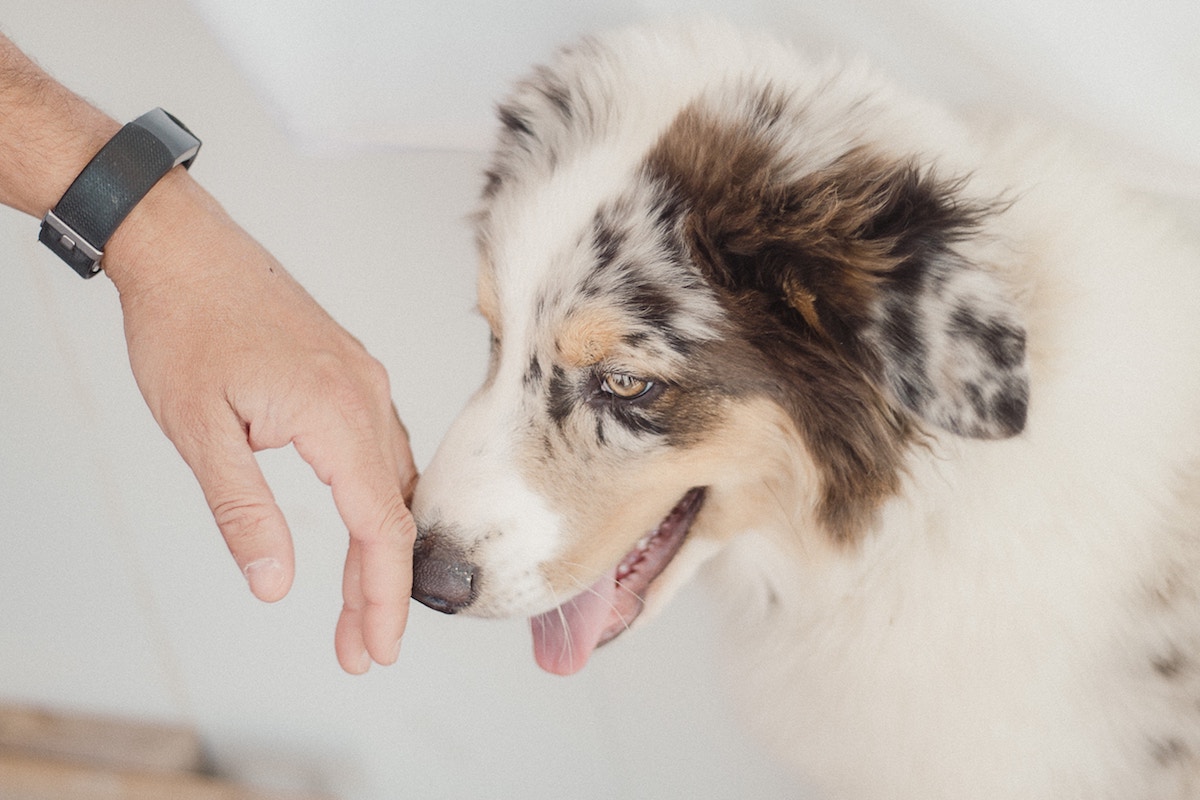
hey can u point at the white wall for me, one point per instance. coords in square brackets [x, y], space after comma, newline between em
[116, 593]
[424, 72]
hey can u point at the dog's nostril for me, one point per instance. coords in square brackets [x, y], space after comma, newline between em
[445, 586]
[442, 577]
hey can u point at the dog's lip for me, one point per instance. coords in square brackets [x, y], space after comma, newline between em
[565, 637]
[647, 560]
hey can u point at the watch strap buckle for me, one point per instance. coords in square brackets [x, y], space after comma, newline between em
[70, 246]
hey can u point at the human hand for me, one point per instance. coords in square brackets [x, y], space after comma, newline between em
[233, 357]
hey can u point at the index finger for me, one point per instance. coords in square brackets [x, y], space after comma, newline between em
[376, 590]
[370, 471]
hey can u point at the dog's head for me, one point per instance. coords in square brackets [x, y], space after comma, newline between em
[715, 313]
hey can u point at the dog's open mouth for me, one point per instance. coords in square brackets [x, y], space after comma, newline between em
[564, 638]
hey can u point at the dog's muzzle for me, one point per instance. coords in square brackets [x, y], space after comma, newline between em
[443, 578]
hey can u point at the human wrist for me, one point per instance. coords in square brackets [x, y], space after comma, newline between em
[154, 241]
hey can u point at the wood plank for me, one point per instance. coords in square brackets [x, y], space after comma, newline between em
[24, 778]
[99, 741]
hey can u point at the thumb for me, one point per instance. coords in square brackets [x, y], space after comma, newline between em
[244, 509]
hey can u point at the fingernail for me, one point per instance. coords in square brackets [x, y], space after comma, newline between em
[393, 654]
[364, 662]
[265, 576]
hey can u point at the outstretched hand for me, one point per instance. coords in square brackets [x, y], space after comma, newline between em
[233, 357]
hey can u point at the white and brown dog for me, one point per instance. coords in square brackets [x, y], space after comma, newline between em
[926, 399]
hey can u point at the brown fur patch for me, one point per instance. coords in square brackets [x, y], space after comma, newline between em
[799, 259]
[588, 336]
[759, 477]
[606, 530]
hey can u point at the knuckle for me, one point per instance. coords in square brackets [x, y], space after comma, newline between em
[241, 518]
[394, 523]
[377, 376]
[404, 525]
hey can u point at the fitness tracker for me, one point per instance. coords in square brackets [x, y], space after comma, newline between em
[112, 183]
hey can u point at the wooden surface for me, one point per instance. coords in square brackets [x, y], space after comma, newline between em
[99, 741]
[55, 756]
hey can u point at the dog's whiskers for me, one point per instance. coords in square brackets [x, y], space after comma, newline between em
[568, 644]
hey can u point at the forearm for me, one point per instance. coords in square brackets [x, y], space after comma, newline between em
[47, 134]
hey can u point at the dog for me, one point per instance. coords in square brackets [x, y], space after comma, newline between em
[920, 398]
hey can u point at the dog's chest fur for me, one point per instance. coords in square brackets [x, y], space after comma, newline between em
[928, 666]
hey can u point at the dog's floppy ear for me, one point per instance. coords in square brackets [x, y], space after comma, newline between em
[865, 254]
[948, 337]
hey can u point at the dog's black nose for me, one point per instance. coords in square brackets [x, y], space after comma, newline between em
[443, 579]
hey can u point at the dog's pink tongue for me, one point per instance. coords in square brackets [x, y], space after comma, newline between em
[564, 638]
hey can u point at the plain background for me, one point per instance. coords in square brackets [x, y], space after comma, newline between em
[349, 137]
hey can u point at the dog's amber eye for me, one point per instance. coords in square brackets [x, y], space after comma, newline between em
[624, 386]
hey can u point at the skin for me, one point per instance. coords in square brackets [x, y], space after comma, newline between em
[233, 356]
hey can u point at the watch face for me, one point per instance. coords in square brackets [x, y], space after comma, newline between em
[180, 142]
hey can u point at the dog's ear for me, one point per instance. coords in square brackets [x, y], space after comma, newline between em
[947, 334]
[866, 255]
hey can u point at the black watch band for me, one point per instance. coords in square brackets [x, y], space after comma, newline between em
[112, 183]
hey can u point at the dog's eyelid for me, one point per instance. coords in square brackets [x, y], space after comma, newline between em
[627, 386]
